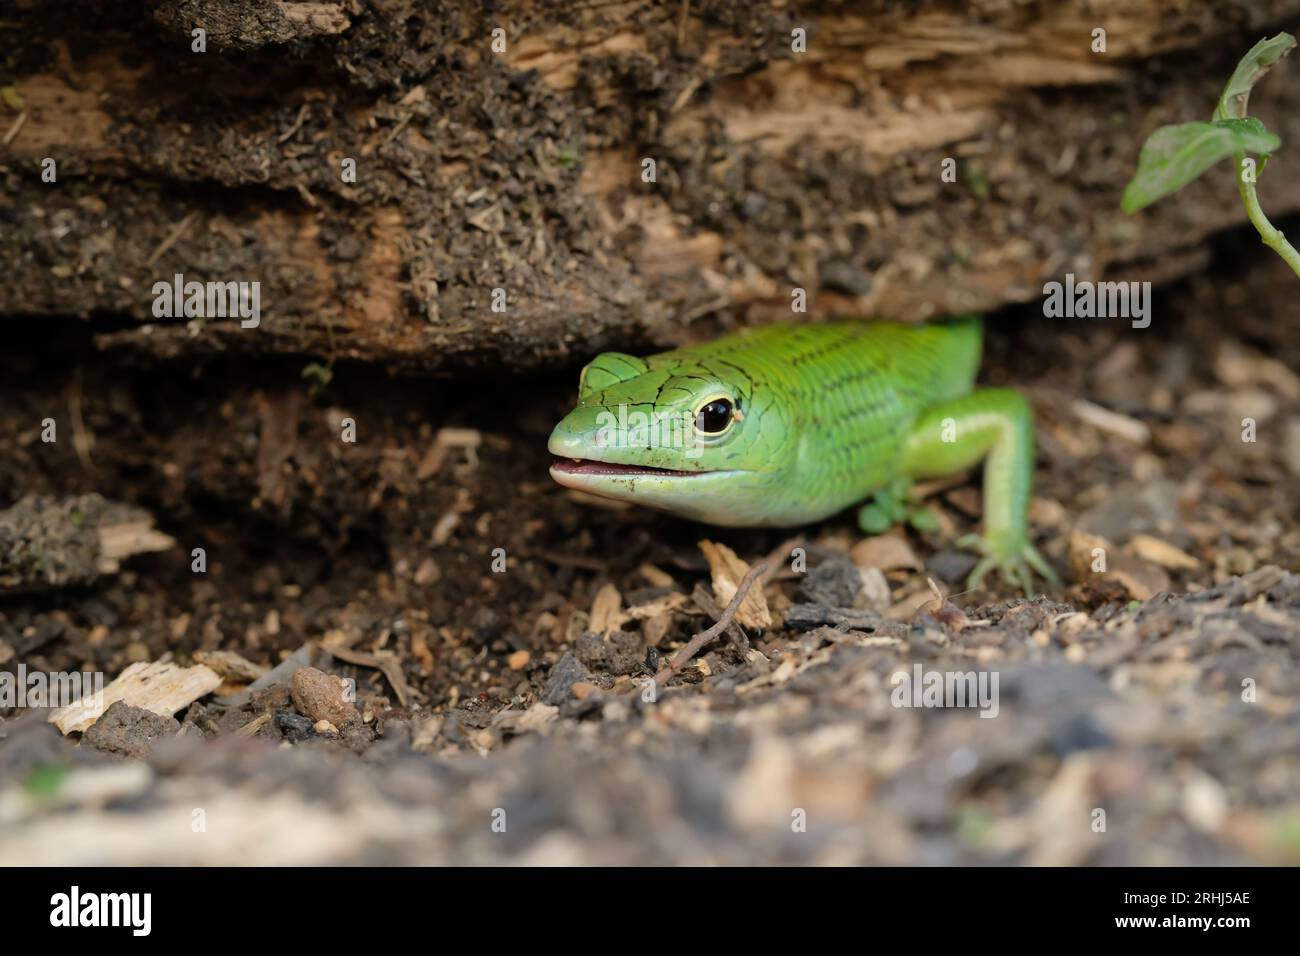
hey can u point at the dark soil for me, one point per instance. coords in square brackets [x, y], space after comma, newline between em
[1162, 692]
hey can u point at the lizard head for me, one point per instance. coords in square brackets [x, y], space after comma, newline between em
[674, 436]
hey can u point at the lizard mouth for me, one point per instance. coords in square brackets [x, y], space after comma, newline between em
[586, 467]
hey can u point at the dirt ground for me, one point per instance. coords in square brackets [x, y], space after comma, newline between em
[1145, 715]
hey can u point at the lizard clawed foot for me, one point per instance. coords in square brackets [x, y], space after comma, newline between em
[1011, 558]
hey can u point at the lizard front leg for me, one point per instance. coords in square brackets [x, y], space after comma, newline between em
[994, 425]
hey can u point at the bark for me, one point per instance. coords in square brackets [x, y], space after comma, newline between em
[522, 170]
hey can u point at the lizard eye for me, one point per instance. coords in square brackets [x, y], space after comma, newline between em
[714, 417]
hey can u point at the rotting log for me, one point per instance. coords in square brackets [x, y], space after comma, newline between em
[521, 170]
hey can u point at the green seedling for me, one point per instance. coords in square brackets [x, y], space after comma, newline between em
[318, 377]
[1175, 155]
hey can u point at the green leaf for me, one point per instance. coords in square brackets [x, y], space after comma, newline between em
[1261, 58]
[1175, 155]
[923, 520]
[318, 376]
[1252, 132]
[1253, 136]
[873, 519]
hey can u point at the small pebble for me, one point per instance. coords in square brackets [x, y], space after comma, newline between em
[322, 696]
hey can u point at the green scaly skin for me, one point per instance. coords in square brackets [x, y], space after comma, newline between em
[825, 416]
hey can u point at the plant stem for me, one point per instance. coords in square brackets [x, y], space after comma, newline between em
[1263, 56]
[1270, 234]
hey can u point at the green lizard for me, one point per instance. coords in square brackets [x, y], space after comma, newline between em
[789, 424]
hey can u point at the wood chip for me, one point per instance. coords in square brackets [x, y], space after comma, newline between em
[533, 719]
[420, 651]
[385, 662]
[1238, 367]
[888, 552]
[163, 688]
[660, 605]
[1163, 553]
[728, 571]
[1113, 423]
[231, 666]
[1141, 579]
[656, 628]
[446, 440]
[120, 541]
[15, 129]
[875, 589]
[416, 96]
[606, 610]
[253, 726]
[443, 529]
[657, 577]
[427, 573]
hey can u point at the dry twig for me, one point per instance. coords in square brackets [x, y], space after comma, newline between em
[706, 637]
